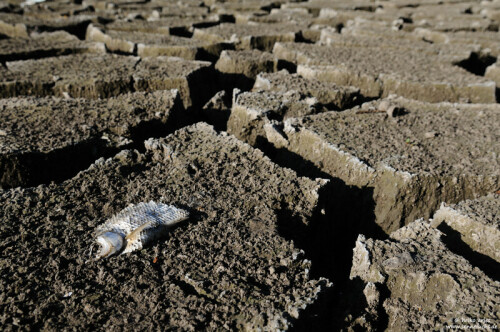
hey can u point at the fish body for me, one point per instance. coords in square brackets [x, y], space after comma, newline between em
[135, 226]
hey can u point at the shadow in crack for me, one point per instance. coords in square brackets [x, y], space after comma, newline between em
[317, 316]
[454, 242]
[203, 84]
[290, 66]
[328, 239]
[477, 63]
[230, 81]
[217, 111]
[351, 311]
[34, 168]
[344, 212]
[212, 53]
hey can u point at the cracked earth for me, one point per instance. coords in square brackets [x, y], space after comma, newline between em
[340, 161]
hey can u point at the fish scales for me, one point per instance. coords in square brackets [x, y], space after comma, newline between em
[135, 226]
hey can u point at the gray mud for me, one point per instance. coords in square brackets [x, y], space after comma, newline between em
[339, 161]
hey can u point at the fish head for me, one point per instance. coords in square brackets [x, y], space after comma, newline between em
[110, 243]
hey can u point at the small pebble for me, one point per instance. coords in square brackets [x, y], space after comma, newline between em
[367, 106]
[430, 134]
[384, 105]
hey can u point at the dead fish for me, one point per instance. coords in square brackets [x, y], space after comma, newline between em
[135, 226]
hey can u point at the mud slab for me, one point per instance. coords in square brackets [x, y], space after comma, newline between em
[280, 96]
[414, 160]
[238, 7]
[310, 31]
[165, 25]
[279, 15]
[169, 11]
[488, 40]
[51, 139]
[261, 237]
[431, 17]
[14, 25]
[157, 9]
[371, 34]
[454, 23]
[62, 8]
[227, 267]
[8, 7]
[328, 94]
[248, 63]
[492, 13]
[493, 73]
[195, 80]
[249, 36]
[418, 283]
[411, 5]
[314, 7]
[45, 44]
[477, 221]
[82, 75]
[380, 71]
[92, 76]
[329, 17]
[252, 110]
[470, 53]
[154, 44]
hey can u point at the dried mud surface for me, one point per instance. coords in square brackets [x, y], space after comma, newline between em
[448, 139]
[226, 266]
[339, 161]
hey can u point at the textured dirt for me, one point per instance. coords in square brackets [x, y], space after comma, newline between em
[328, 94]
[45, 44]
[104, 76]
[43, 124]
[428, 286]
[476, 221]
[248, 63]
[167, 25]
[379, 67]
[46, 139]
[155, 44]
[446, 138]
[247, 36]
[339, 159]
[413, 160]
[251, 111]
[227, 267]
[16, 25]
